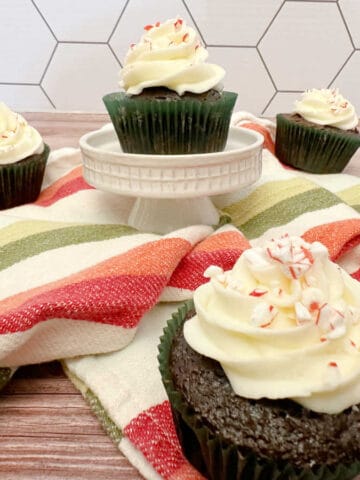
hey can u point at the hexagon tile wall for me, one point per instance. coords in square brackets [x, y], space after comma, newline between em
[66, 54]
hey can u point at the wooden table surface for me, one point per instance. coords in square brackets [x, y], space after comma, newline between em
[48, 432]
[47, 429]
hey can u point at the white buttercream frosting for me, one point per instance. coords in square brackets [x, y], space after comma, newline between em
[171, 55]
[327, 107]
[18, 140]
[283, 323]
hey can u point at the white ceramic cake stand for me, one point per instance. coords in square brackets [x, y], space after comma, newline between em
[172, 190]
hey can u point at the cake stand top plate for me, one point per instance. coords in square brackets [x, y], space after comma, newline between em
[108, 168]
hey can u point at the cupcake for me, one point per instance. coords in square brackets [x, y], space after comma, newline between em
[23, 157]
[263, 370]
[171, 100]
[321, 135]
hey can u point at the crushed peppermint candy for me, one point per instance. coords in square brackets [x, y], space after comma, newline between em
[303, 315]
[258, 292]
[178, 24]
[263, 315]
[293, 256]
[331, 321]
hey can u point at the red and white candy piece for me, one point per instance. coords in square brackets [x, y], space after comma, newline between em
[258, 292]
[332, 321]
[302, 314]
[263, 315]
[293, 256]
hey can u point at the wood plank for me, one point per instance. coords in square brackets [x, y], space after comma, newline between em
[61, 129]
[54, 458]
[49, 432]
[39, 386]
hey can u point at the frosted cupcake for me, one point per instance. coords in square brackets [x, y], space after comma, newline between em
[263, 371]
[23, 157]
[171, 100]
[321, 135]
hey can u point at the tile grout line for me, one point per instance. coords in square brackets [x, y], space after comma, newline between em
[267, 69]
[113, 52]
[346, 25]
[117, 21]
[269, 103]
[48, 63]
[194, 22]
[44, 19]
[341, 68]
[270, 23]
[47, 96]
[20, 84]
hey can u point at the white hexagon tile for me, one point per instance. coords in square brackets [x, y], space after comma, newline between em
[302, 54]
[81, 20]
[282, 102]
[351, 11]
[233, 22]
[79, 75]
[25, 97]
[348, 79]
[253, 90]
[26, 43]
[67, 54]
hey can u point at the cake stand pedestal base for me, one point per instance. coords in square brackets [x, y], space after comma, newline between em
[166, 215]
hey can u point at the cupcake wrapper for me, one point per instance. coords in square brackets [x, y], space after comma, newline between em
[20, 182]
[170, 126]
[311, 149]
[213, 456]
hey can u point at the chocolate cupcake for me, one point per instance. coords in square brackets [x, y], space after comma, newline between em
[23, 156]
[171, 101]
[321, 135]
[262, 371]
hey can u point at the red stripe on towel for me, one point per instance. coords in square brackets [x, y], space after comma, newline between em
[120, 301]
[153, 433]
[338, 236]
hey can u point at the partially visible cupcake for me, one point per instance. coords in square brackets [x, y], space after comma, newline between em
[321, 135]
[263, 370]
[23, 157]
[172, 101]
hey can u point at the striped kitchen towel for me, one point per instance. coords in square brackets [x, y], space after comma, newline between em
[75, 282]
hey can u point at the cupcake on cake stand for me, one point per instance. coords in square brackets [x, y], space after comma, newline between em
[169, 144]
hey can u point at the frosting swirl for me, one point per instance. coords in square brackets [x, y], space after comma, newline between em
[18, 140]
[283, 323]
[169, 55]
[327, 107]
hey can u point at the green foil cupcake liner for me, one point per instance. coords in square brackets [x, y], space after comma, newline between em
[20, 182]
[170, 126]
[212, 455]
[313, 149]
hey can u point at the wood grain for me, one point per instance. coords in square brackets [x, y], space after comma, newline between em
[64, 129]
[49, 432]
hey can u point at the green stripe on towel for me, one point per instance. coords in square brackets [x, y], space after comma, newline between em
[31, 245]
[108, 425]
[283, 212]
